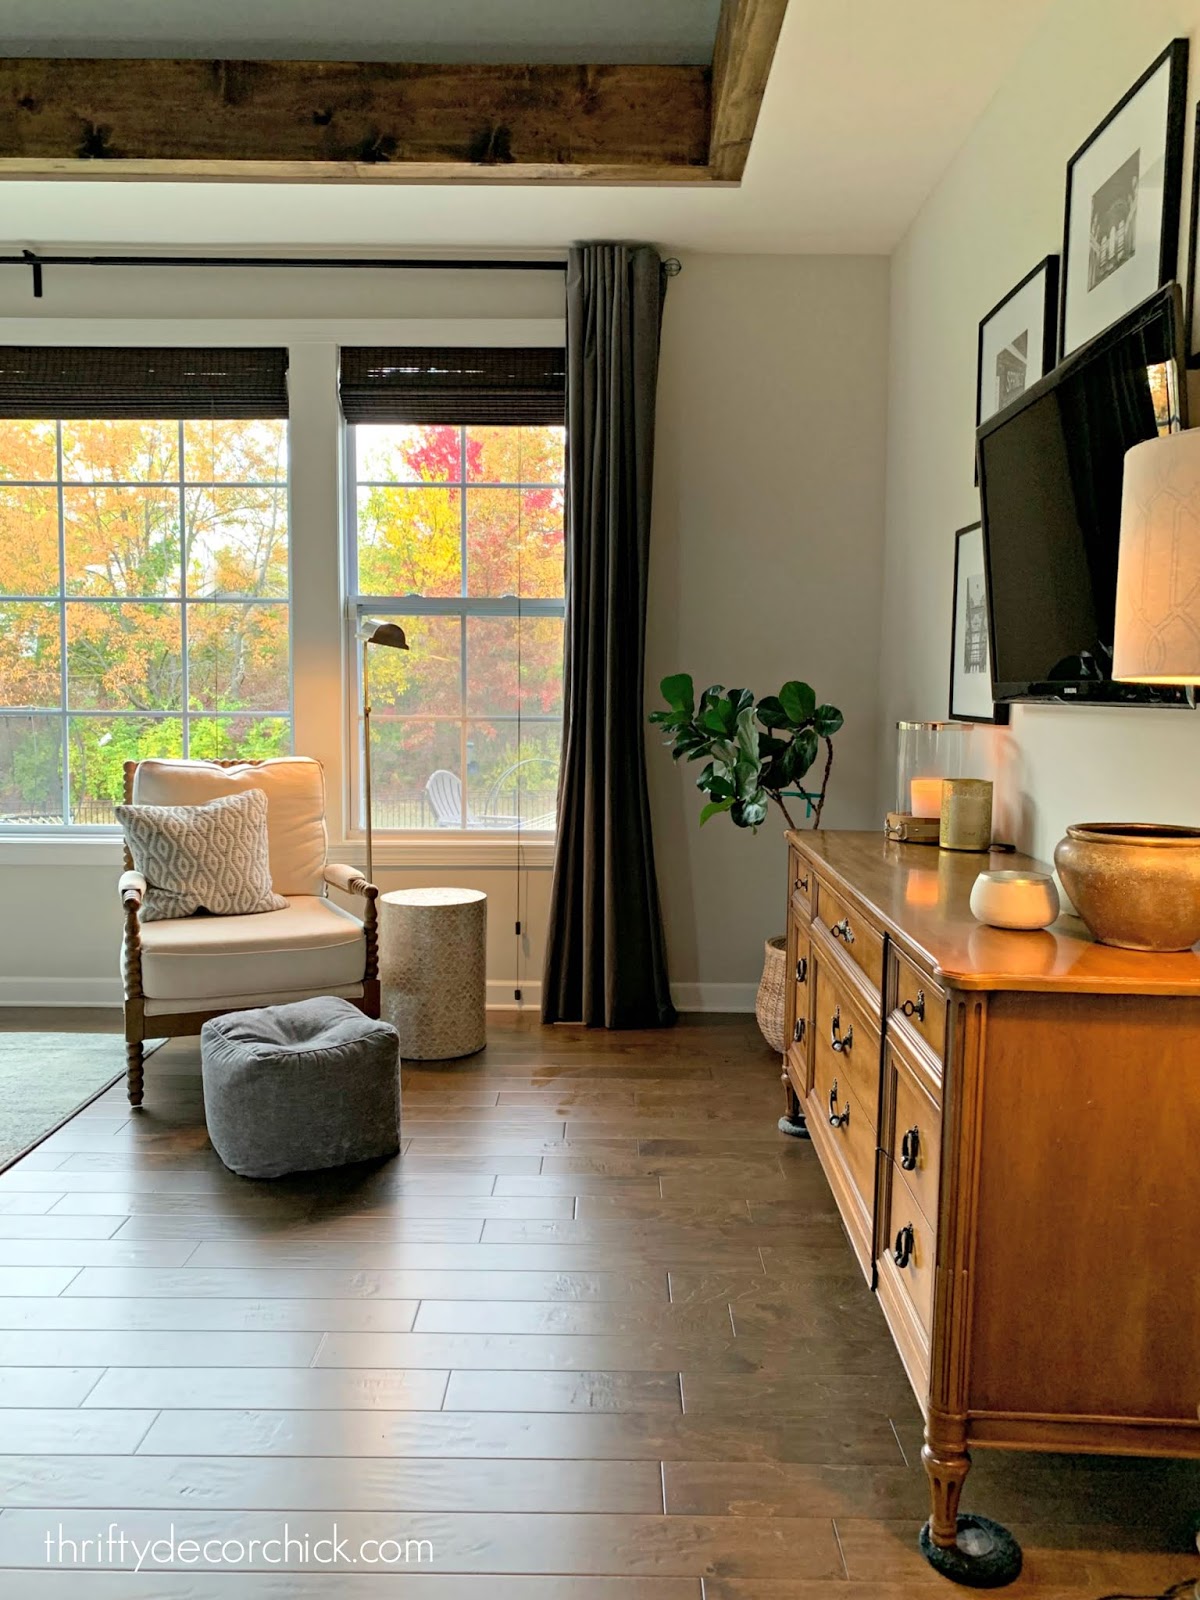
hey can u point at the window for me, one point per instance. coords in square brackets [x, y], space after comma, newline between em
[459, 539]
[143, 604]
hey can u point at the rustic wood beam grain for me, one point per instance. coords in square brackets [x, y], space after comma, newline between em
[747, 31]
[356, 121]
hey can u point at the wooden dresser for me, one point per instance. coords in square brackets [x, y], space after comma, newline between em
[1010, 1124]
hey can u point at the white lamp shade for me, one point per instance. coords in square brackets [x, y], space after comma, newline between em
[1157, 637]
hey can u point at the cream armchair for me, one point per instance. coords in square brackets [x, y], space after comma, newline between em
[179, 973]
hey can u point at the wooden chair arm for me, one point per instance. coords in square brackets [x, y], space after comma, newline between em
[132, 889]
[349, 880]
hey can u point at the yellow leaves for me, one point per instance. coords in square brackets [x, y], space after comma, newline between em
[30, 658]
[28, 540]
[120, 451]
[28, 451]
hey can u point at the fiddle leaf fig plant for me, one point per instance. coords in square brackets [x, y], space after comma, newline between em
[754, 751]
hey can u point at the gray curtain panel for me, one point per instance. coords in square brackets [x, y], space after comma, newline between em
[605, 956]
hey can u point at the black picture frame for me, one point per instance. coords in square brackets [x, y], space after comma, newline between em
[1175, 56]
[1047, 269]
[960, 711]
[1189, 297]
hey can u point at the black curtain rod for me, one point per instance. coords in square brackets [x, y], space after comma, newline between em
[35, 262]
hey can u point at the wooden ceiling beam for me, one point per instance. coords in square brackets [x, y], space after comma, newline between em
[747, 32]
[352, 121]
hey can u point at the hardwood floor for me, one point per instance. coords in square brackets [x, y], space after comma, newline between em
[595, 1334]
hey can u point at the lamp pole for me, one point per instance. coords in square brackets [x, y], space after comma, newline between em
[391, 635]
[367, 760]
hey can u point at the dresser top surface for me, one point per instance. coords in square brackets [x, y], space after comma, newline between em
[921, 896]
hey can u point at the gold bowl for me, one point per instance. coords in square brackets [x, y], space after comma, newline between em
[1135, 884]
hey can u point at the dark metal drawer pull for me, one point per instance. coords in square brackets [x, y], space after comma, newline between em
[915, 1008]
[842, 930]
[835, 1033]
[837, 1120]
[902, 1253]
[909, 1147]
[802, 884]
[802, 970]
[798, 1031]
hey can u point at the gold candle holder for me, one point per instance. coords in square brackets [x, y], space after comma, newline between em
[966, 814]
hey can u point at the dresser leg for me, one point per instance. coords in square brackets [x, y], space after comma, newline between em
[792, 1121]
[971, 1550]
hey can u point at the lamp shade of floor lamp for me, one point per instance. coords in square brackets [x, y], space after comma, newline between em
[390, 635]
[1157, 636]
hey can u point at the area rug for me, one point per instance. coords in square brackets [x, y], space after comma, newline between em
[45, 1078]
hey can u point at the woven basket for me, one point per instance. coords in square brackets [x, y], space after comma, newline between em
[769, 1004]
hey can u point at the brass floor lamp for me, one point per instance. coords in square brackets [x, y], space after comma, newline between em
[391, 635]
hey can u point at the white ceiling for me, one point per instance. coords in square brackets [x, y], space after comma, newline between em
[867, 105]
[366, 30]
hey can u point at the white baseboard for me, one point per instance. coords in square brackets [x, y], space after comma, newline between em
[500, 996]
[107, 992]
[714, 996]
[60, 992]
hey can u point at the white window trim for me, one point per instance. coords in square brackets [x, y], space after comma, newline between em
[426, 847]
[100, 832]
[321, 703]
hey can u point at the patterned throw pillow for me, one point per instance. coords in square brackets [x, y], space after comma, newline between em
[211, 857]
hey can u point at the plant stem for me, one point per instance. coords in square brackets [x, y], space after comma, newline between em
[824, 783]
[778, 799]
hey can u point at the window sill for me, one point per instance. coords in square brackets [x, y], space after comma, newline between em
[447, 849]
[450, 849]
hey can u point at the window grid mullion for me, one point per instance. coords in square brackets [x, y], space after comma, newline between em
[183, 607]
[65, 742]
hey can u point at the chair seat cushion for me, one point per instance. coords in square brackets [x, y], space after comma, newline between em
[310, 945]
[298, 1087]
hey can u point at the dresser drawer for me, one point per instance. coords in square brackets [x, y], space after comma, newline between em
[802, 880]
[916, 1140]
[845, 1042]
[853, 934]
[848, 1130]
[908, 1248]
[920, 1002]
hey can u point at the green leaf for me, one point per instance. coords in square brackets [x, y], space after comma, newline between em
[719, 716]
[679, 692]
[827, 720]
[771, 713]
[750, 812]
[714, 808]
[747, 734]
[801, 756]
[798, 701]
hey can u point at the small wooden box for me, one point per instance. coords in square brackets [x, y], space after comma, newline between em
[904, 828]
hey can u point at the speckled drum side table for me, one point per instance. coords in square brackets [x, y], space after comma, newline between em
[432, 969]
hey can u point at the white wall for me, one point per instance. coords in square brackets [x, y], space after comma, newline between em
[765, 561]
[997, 211]
[767, 531]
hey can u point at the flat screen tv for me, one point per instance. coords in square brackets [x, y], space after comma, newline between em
[1050, 470]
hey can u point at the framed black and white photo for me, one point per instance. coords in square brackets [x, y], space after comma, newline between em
[1121, 234]
[970, 646]
[1017, 340]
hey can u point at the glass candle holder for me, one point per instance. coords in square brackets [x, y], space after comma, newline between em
[927, 753]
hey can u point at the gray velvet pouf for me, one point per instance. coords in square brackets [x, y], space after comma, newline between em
[299, 1087]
